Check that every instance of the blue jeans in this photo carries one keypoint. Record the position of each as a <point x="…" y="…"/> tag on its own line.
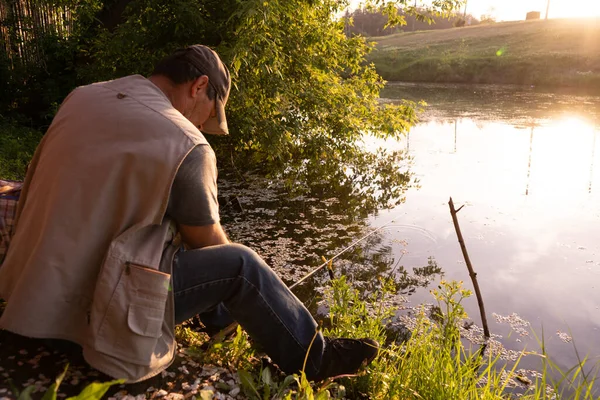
<point x="231" y="282"/>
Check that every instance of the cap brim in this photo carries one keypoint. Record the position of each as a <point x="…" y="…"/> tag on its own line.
<point x="216" y="125"/>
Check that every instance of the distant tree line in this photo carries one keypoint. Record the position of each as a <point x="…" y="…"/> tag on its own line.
<point x="371" y="22"/>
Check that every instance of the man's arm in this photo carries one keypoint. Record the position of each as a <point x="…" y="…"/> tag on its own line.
<point x="197" y="237"/>
<point x="193" y="203"/>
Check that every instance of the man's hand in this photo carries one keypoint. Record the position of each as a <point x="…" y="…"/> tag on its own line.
<point x="196" y="237"/>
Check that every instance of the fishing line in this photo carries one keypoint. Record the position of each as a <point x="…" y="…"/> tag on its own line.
<point x="340" y="253"/>
<point x="229" y="329"/>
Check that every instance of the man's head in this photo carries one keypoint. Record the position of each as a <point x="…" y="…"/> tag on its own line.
<point x="198" y="85"/>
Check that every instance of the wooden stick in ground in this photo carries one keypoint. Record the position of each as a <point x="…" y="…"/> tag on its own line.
<point x="472" y="273"/>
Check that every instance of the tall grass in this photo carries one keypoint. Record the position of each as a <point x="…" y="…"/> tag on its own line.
<point x="433" y="363"/>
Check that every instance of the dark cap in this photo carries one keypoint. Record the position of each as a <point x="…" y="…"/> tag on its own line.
<point x="208" y="63"/>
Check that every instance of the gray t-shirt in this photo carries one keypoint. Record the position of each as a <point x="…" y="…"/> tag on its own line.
<point x="193" y="198"/>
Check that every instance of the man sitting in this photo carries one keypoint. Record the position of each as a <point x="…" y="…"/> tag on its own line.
<point x="121" y="180"/>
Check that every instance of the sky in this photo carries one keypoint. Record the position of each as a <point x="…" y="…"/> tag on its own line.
<point x="511" y="10"/>
<point x="514" y="10"/>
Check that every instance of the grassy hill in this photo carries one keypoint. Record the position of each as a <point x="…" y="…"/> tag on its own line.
<point x="561" y="52"/>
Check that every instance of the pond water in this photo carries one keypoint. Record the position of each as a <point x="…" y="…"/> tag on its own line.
<point x="526" y="165"/>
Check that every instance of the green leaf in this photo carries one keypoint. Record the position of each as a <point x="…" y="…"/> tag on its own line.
<point x="286" y="383"/>
<point x="323" y="395"/>
<point x="248" y="383"/>
<point x="26" y="393"/>
<point x="53" y="389"/>
<point x="95" y="390"/>
<point x="267" y="377"/>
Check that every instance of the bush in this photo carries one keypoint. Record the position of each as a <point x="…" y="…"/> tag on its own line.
<point x="17" y="145"/>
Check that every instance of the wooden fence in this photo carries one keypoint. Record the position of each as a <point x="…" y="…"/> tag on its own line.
<point x="24" y="23"/>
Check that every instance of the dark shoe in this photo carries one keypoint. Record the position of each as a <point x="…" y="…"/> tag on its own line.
<point x="345" y="357"/>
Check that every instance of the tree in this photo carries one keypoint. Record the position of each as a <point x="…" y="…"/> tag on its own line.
<point x="303" y="96"/>
<point x="374" y="22"/>
<point x="489" y="16"/>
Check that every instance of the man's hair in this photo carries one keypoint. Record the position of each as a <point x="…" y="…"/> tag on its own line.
<point x="179" y="71"/>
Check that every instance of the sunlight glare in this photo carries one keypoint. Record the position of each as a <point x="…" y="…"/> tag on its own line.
<point x="561" y="157"/>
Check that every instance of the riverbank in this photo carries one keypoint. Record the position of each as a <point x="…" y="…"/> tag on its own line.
<point x="554" y="53"/>
<point x="432" y="362"/>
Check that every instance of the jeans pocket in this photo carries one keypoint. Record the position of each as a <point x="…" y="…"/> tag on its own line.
<point x="130" y="321"/>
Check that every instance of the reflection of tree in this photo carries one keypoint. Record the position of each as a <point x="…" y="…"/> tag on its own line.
<point x="364" y="183"/>
<point x="293" y="226"/>
<point x="374" y="260"/>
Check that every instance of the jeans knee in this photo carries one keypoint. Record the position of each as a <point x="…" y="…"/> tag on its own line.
<point x="248" y="256"/>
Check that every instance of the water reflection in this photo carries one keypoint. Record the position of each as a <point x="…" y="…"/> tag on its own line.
<point x="524" y="163"/>
<point x="294" y="231"/>
<point x="511" y="104"/>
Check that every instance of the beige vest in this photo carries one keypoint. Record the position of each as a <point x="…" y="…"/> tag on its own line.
<point x="92" y="253"/>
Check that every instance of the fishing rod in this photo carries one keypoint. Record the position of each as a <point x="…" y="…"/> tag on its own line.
<point x="320" y="267"/>
<point x="229" y="329"/>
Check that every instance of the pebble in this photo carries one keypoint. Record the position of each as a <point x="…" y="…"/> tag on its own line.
<point x="207" y="394"/>
<point x="174" y="396"/>
<point x="165" y="374"/>
<point x="209" y="370"/>
<point x="189" y="388"/>
<point x="131" y="397"/>
<point x="150" y="389"/>
<point x="234" y="392"/>
<point x="120" y="394"/>
<point x="183" y="369"/>
<point x="161" y="393"/>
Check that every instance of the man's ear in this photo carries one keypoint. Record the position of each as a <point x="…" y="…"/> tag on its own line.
<point x="198" y="84"/>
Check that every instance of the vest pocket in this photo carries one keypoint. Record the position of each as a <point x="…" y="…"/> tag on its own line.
<point x="145" y="321"/>
<point x="130" y="321"/>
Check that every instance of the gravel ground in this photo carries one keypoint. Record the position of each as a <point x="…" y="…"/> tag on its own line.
<point x="25" y="362"/>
